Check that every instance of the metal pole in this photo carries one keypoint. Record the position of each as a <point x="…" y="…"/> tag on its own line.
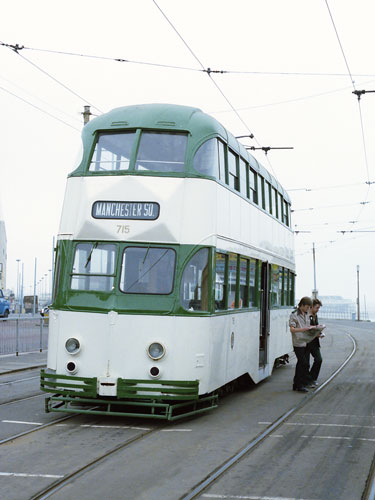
<point x="315" y="291"/>
<point x="358" y="311"/>
<point x="17" y="334"/>
<point x="41" y="334"/>
<point x="34" y="300"/>
<point x="22" y="287"/>
<point x="18" y="280"/>
<point x="53" y="265"/>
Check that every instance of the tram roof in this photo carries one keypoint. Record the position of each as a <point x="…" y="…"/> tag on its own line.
<point x="172" y="117"/>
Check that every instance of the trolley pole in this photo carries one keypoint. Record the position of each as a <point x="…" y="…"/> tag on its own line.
<point x="315" y="291"/>
<point x="358" y="311"/>
<point x="86" y="114"/>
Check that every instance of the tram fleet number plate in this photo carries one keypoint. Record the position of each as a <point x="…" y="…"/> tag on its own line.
<point x="126" y="210"/>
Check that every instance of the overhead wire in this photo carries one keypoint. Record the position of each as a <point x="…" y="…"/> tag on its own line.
<point x="39" y="109"/>
<point x="209" y="71"/>
<point x="17" y="48"/>
<point x="173" y="66"/>
<point x="41" y="100"/>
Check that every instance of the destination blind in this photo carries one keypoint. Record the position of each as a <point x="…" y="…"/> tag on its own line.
<point x="126" y="210"/>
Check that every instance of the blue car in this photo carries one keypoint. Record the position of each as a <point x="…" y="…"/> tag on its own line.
<point x="4" y="305"/>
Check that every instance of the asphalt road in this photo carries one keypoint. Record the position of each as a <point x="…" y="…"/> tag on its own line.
<point x="323" y="451"/>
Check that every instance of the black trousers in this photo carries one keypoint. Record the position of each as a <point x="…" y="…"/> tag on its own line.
<point x="301" y="376"/>
<point x="313" y="348"/>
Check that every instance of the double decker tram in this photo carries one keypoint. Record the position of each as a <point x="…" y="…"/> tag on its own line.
<point x="174" y="271"/>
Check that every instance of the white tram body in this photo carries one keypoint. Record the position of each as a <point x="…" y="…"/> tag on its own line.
<point x="213" y="347"/>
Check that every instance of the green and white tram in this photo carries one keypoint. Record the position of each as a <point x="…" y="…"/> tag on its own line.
<point x="174" y="267"/>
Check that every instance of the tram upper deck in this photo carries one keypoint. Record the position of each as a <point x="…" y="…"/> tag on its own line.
<point x="147" y="175"/>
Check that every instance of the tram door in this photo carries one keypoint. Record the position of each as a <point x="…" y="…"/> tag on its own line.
<point x="264" y="313"/>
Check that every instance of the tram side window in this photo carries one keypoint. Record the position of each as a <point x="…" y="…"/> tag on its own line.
<point x="243" y="178"/>
<point x="221" y="150"/>
<point x="194" y="283"/>
<point x="276" y="285"/>
<point x="267" y="188"/>
<point x="234" y="182"/>
<point x="220" y="286"/>
<point x="262" y="202"/>
<point x="275" y="196"/>
<point x="206" y="159"/>
<point x="280" y="207"/>
<point x="112" y="152"/>
<point x="93" y="267"/>
<point x="291" y="289"/>
<point x="286" y="213"/>
<point x="161" y="152"/>
<point x="269" y="199"/>
<point x="244" y="284"/>
<point x="285" y="288"/>
<point x="147" y="270"/>
<point x="232" y="280"/>
<point x="252" y="283"/>
<point x="253" y="185"/>
<point x="56" y="280"/>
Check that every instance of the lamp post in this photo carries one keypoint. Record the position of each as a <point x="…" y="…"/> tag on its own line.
<point x="18" y="283"/>
<point x="358" y="311"/>
<point x="315" y="291"/>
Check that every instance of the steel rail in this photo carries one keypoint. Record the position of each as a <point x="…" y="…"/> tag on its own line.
<point x="60" y="483"/>
<point x="12" y="401"/>
<point x="36" y="428"/>
<point x="211" y="478"/>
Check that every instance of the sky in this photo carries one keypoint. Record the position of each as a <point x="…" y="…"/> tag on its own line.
<point x="290" y="67"/>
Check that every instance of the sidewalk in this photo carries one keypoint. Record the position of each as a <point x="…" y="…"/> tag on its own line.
<point x="24" y="361"/>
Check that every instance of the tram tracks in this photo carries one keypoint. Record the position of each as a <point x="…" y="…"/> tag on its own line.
<point x="70" y="477"/>
<point x="254" y="443"/>
<point x="210" y="479"/>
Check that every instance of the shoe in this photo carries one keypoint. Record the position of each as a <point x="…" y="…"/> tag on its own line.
<point x="314" y="383"/>
<point x="300" y="389"/>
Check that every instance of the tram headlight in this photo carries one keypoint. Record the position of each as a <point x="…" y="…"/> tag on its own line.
<point x="156" y="350"/>
<point x="72" y="345"/>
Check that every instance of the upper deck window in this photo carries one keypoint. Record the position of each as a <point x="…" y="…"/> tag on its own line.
<point x="161" y="152"/>
<point x="112" y="152"/>
<point x="206" y="159"/>
<point x="148" y="270"/>
<point x="233" y="171"/>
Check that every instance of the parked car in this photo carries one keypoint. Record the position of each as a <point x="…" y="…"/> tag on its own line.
<point x="4" y="305"/>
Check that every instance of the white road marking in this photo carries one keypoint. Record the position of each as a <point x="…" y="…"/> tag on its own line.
<point x="20" y="422"/>
<point x="330" y="415"/>
<point x="242" y="497"/>
<point x="22" y="474"/>
<point x="176" y="430"/>
<point x="115" y="427"/>
<point x="333" y="425"/>
<point x="339" y="437"/>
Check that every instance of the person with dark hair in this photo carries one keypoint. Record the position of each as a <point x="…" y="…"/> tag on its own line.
<point x="313" y="347"/>
<point x="299" y="324"/>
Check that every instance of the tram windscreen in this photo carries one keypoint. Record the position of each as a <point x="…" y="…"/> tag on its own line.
<point x="93" y="267"/>
<point x="148" y="270"/>
<point x="112" y="152"/>
<point x="161" y="152"/>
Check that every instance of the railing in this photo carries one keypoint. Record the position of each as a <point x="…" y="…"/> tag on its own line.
<point x="23" y="335"/>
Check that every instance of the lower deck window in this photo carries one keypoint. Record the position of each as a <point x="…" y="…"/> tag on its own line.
<point x="147" y="270"/>
<point x="194" y="283"/>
